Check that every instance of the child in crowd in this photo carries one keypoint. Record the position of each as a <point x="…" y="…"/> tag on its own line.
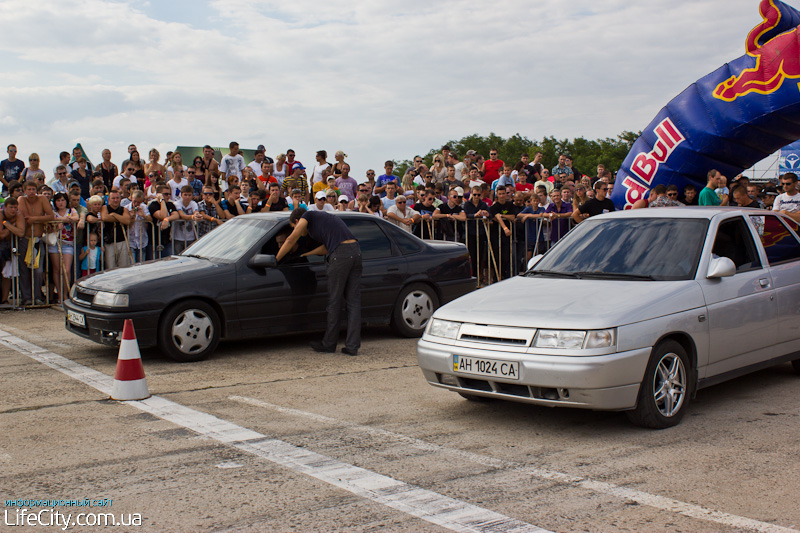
<point x="90" y="256"/>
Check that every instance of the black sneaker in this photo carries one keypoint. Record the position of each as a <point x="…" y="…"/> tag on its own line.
<point x="348" y="351"/>
<point x="319" y="347"/>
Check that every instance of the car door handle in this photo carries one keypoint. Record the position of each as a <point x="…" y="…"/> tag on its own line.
<point x="764" y="282"/>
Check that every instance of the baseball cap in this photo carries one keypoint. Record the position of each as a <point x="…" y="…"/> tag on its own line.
<point x="769" y="190"/>
<point x="298" y="165"/>
<point x="343" y="198"/>
<point x="261" y="148"/>
<point x="320" y="195"/>
<point x="472" y="152"/>
<point x="459" y="191"/>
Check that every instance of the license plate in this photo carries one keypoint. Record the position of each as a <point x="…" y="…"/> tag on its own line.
<point x="76" y="318"/>
<point x="485" y="367"/>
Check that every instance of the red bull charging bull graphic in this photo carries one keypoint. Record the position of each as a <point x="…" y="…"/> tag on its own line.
<point x="728" y="120"/>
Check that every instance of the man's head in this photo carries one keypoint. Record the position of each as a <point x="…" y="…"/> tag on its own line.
<point x="114" y="199"/>
<point x="297" y="196"/>
<point x="562" y="159"/>
<point x="234" y="147"/>
<point x="297" y="170"/>
<point x="177" y="174"/>
<point x="501" y="193"/>
<point x="400" y="202"/>
<point x="601" y="169"/>
<point x="740" y="196"/>
<point x="128" y="170"/>
<point x="789" y="182"/>
<point x="296" y="215"/>
<point x="131" y="148"/>
<point x="274" y="188"/>
<point x="388" y="166"/>
<point x="74" y="198"/>
<point x="266" y="168"/>
<point x="519" y="199"/>
<point x="137" y="198"/>
<point x="208" y="152"/>
<point x="689" y="192"/>
<point x="391" y="189"/>
<point x="493" y="154"/>
<point x="672" y="192"/>
<point x="427" y="200"/>
<point x="555" y="196"/>
<point x="290" y="155"/>
<point x="507" y="170"/>
<point x="600" y="189"/>
<point x="345" y="168"/>
<point x="259" y="156"/>
<point x="713" y="178"/>
<point x="186" y="194"/>
<point x="525" y="158"/>
<point x="451" y="173"/>
<point x="370" y="175"/>
<point x="29" y="188"/>
<point x="61" y="173"/>
<point x="97" y="188"/>
<point x="322" y="156"/>
<point x="10" y="207"/>
<point x="12" y="151"/>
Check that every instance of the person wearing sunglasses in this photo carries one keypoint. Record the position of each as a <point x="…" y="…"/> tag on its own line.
<point x="596" y="206"/>
<point x="321" y="202"/>
<point x="788" y="202"/>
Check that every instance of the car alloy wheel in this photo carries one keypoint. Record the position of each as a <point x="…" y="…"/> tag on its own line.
<point x="666" y="387"/>
<point x="669" y="385"/>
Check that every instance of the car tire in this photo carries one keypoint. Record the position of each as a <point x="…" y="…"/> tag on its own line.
<point x="796" y="365"/>
<point x="413" y="309"/>
<point x="189" y="331"/>
<point x="666" y="388"/>
<point x="475" y="397"/>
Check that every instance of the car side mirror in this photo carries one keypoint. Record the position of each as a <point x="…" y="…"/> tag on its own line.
<point x="535" y="259"/>
<point x="262" y="261"/>
<point x="720" y="267"/>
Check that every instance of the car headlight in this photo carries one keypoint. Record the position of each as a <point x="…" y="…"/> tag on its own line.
<point x="574" y="340"/>
<point x="444" y="328"/>
<point x="73" y="292"/>
<point x="110" y="299"/>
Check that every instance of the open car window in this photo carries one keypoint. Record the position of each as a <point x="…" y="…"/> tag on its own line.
<point x="734" y="241"/>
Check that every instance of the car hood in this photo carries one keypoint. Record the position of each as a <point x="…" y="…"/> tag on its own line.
<point x="153" y="272"/>
<point x="572" y="303"/>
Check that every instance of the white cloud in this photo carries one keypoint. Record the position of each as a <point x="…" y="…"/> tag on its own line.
<point x="379" y="79"/>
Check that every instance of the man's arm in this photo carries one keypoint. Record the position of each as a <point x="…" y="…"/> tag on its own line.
<point x="794" y="216"/>
<point x="319" y="250"/>
<point x="300" y="230"/>
<point x="17" y="227"/>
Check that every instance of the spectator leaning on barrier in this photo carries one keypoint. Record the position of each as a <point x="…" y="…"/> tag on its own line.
<point x="402" y="216"/>
<point x="231" y="205"/>
<point x="138" y="235"/>
<point x="559" y="213"/>
<point x="37" y="211"/>
<point x="164" y="212"/>
<point x="448" y="214"/>
<point x="116" y="220"/>
<point x="210" y="212"/>
<point x="183" y="231"/>
<point x="12" y="224"/>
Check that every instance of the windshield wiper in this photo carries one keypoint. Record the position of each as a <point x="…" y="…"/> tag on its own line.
<point x="553" y="273"/>
<point x="615" y="275"/>
<point x="195" y="255"/>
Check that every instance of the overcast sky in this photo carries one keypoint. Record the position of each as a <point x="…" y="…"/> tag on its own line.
<point x="377" y="79"/>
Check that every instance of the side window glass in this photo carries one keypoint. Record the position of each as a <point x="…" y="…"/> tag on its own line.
<point x="373" y="242"/>
<point x="735" y="242"/>
<point x="407" y="243"/>
<point x="779" y="243"/>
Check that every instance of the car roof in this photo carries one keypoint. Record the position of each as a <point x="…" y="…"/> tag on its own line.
<point x="283" y="215"/>
<point x="681" y="212"/>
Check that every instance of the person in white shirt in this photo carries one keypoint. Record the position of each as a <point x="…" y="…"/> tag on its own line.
<point x="233" y="163"/>
<point x="256" y="163"/>
<point x="184" y="232"/>
<point x="177" y="182"/>
<point x="402" y="216"/>
<point x="788" y="203"/>
<point x="461" y="168"/>
<point x="321" y="203"/>
<point x="127" y="173"/>
<point x="321" y="165"/>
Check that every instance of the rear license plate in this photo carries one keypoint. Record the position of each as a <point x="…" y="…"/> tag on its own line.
<point x="76" y="318"/>
<point x="485" y="367"/>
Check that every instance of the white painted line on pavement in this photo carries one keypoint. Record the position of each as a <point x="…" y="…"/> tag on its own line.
<point x="658" y="502"/>
<point x="427" y="505"/>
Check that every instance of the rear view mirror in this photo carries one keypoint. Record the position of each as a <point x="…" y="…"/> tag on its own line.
<point x="720" y="267"/>
<point x="263" y="261"/>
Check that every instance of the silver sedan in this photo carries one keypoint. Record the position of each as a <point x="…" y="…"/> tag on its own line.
<point x="632" y="311"/>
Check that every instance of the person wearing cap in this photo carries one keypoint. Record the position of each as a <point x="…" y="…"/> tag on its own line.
<point x="343" y="204"/>
<point x="343" y="260"/>
<point x="328" y="182"/>
<point x="297" y="180"/>
<point x="321" y="203"/>
<point x="336" y="170"/>
<point x="770" y="193"/>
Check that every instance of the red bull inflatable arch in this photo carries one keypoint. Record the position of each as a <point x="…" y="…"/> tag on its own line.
<point x="728" y="120"/>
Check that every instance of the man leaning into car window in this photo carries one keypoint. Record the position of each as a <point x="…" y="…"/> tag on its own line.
<point x="343" y="258"/>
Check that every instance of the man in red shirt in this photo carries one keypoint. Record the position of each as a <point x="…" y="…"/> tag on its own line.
<point x="491" y="167"/>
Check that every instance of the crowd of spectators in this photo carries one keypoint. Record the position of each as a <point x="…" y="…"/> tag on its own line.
<point x="84" y="218"/>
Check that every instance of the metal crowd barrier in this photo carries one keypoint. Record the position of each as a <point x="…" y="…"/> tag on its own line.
<point x="37" y="270"/>
<point x="494" y="255"/>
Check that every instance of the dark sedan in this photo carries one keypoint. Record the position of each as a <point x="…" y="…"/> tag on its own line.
<point x="227" y="285"/>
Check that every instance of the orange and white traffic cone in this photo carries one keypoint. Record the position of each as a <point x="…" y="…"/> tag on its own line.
<point x="129" y="380"/>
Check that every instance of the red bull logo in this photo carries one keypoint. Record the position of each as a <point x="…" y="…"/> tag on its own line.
<point x="645" y="165"/>
<point x="634" y="191"/>
<point x="777" y="59"/>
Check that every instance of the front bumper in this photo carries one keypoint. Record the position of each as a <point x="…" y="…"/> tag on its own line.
<point x="605" y="382"/>
<point x="105" y="327"/>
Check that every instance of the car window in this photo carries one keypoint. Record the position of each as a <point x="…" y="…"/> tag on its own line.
<point x="779" y="243"/>
<point x="407" y="243"/>
<point x="735" y="242"/>
<point x="373" y="242"/>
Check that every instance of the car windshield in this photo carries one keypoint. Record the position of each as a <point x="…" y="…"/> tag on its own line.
<point x="661" y="249"/>
<point x="231" y="240"/>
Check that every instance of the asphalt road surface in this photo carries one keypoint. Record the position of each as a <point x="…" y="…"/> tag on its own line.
<point x="270" y="436"/>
